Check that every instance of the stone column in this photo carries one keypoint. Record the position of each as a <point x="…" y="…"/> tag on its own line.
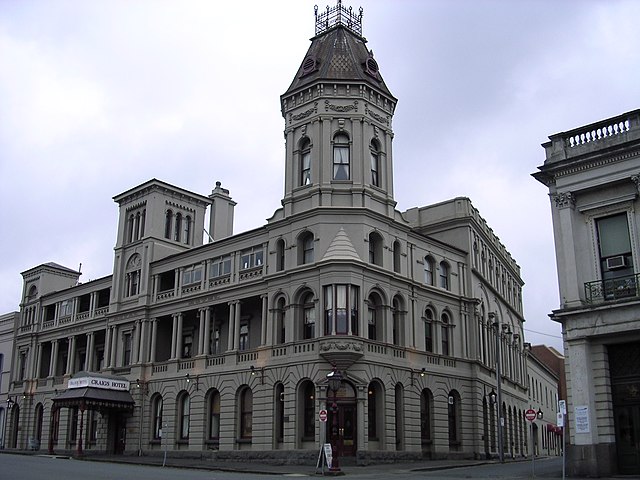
<point x="232" y="316"/>
<point x="135" y="348"/>
<point x="54" y="358"/>
<point x="236" y="325"/>
<point x="207" y="331"/>
<point x="154" y="339"/>
<point x="144" y="341"/>
<point x="107" y="347"/>
<point x="201" y="335"/>
<point x="70" y="354"/>
<point x="89" y="353"/>
<point x="179" y="336"/>
<point x="36" y="369"/>
<point x="174" y="334"/>
<point x="114" y="345"/>
<point x="265" y="313"/>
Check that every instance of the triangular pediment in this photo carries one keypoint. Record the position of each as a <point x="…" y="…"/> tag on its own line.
<point x="341" y="248"/>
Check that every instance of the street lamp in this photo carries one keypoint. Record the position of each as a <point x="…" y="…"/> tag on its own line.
<point x="498" y="399"/>
<point x="334" y="380"/>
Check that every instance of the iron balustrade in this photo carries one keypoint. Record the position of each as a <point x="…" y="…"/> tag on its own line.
<point x="612" y="289"/>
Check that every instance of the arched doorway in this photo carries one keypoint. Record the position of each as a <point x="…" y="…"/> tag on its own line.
<point x="342" y="420"/>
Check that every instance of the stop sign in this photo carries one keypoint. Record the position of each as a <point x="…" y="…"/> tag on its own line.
<point x="530" y="415"/>
<point x="322" y="415"/>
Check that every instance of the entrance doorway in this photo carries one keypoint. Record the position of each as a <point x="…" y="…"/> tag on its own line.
<point x="347" y="432"/>
<point x="117" y="436"/>
<point x="628" y="438"/>
<point x="624" y="368"/>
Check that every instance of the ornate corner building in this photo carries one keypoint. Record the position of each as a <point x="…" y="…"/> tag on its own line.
<point x="593" y="173"/>
<point x="227" y="346"/>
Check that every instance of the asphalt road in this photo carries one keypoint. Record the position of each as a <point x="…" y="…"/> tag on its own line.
<point x="42" y="467"/>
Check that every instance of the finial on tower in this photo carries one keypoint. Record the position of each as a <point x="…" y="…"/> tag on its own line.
<point x="338" y="15"/>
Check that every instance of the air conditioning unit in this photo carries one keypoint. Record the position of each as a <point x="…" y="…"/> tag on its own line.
<point x="616" y="262"/>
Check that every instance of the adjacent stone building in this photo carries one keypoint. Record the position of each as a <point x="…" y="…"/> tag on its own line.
<point x="226" y="346"/>
<point x="593" y="175"/>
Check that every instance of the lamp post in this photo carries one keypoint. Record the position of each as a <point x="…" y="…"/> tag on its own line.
<point x="496" y="325"/>
<point x="334" y="379"/>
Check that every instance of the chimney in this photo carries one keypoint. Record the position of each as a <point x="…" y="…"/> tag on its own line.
<point x="221" y="218"/>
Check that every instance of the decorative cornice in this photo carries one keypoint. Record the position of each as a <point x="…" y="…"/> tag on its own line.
<point x="177" y="205"/>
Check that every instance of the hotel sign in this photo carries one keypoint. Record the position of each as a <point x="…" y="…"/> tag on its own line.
<point x="97" y="382"/>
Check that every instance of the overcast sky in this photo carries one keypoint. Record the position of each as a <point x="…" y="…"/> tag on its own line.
<point x="99" y="96"/>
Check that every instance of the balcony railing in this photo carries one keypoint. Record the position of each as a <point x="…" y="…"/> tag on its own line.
<point x="612" y="289"/>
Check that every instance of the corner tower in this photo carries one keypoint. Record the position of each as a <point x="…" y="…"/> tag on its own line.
<point x="338" y="114"/>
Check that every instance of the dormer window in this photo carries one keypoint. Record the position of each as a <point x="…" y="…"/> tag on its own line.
<point x="341" y="161"/>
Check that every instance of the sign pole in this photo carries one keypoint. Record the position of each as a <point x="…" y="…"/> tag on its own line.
<point x="533" y="454"/>
<point x="531" y="415"/>
<point x="562" y="416"/>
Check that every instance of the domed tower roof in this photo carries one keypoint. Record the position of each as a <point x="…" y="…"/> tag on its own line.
<point x="338" y="53"/>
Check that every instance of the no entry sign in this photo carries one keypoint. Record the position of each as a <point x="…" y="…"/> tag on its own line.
<point x="322" y="415"/>
<point x="530" y="415"/>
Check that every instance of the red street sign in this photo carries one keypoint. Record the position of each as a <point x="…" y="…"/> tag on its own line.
<point x="530" y="415"/>
<point x="322" y="415"/>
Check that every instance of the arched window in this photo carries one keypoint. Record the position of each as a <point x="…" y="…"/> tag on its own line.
<point x="375" y="248"/>
<point x="375" y="410"/>
<point x="375" y="163"/>
<point x="187" y="230"/>
<point x="280" y="322"/>
<point x="428" y="269"/>
<point x="309" y="411"/>
<point x="136" y="227"/>
<point x="308" y="317"/>
<point x="444" y="275"/>
<point x="156" y="416"/>
<point x="178" y="230"/>
<point x="184" y="410"/>
<point x="39" y="419"/>
<point x="278" y="403"/>
<point x="428" y="329"/>
<point x="446" y="350"/>
<point x="305" y="162"/>
<point x="168" y="220"/>
<point x="453" y="415"/>
<point x="341" y="161"/>
<point x="132" y="276"/>
<point x="246" y="414"/>
<point x="33" y="292"/>
<point x="305" y="248"/>
<point x="130" y="228"/>
<point x="213" y="433"/>
<point x="373" y="317"/>
<point x="279" y="255"/>
<point x="399" y="397"/>
<point x="426" y="416"/>
<point x="397" y="254"/>
<point x="397" y="314"/>
<point x="143" y="220"/>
